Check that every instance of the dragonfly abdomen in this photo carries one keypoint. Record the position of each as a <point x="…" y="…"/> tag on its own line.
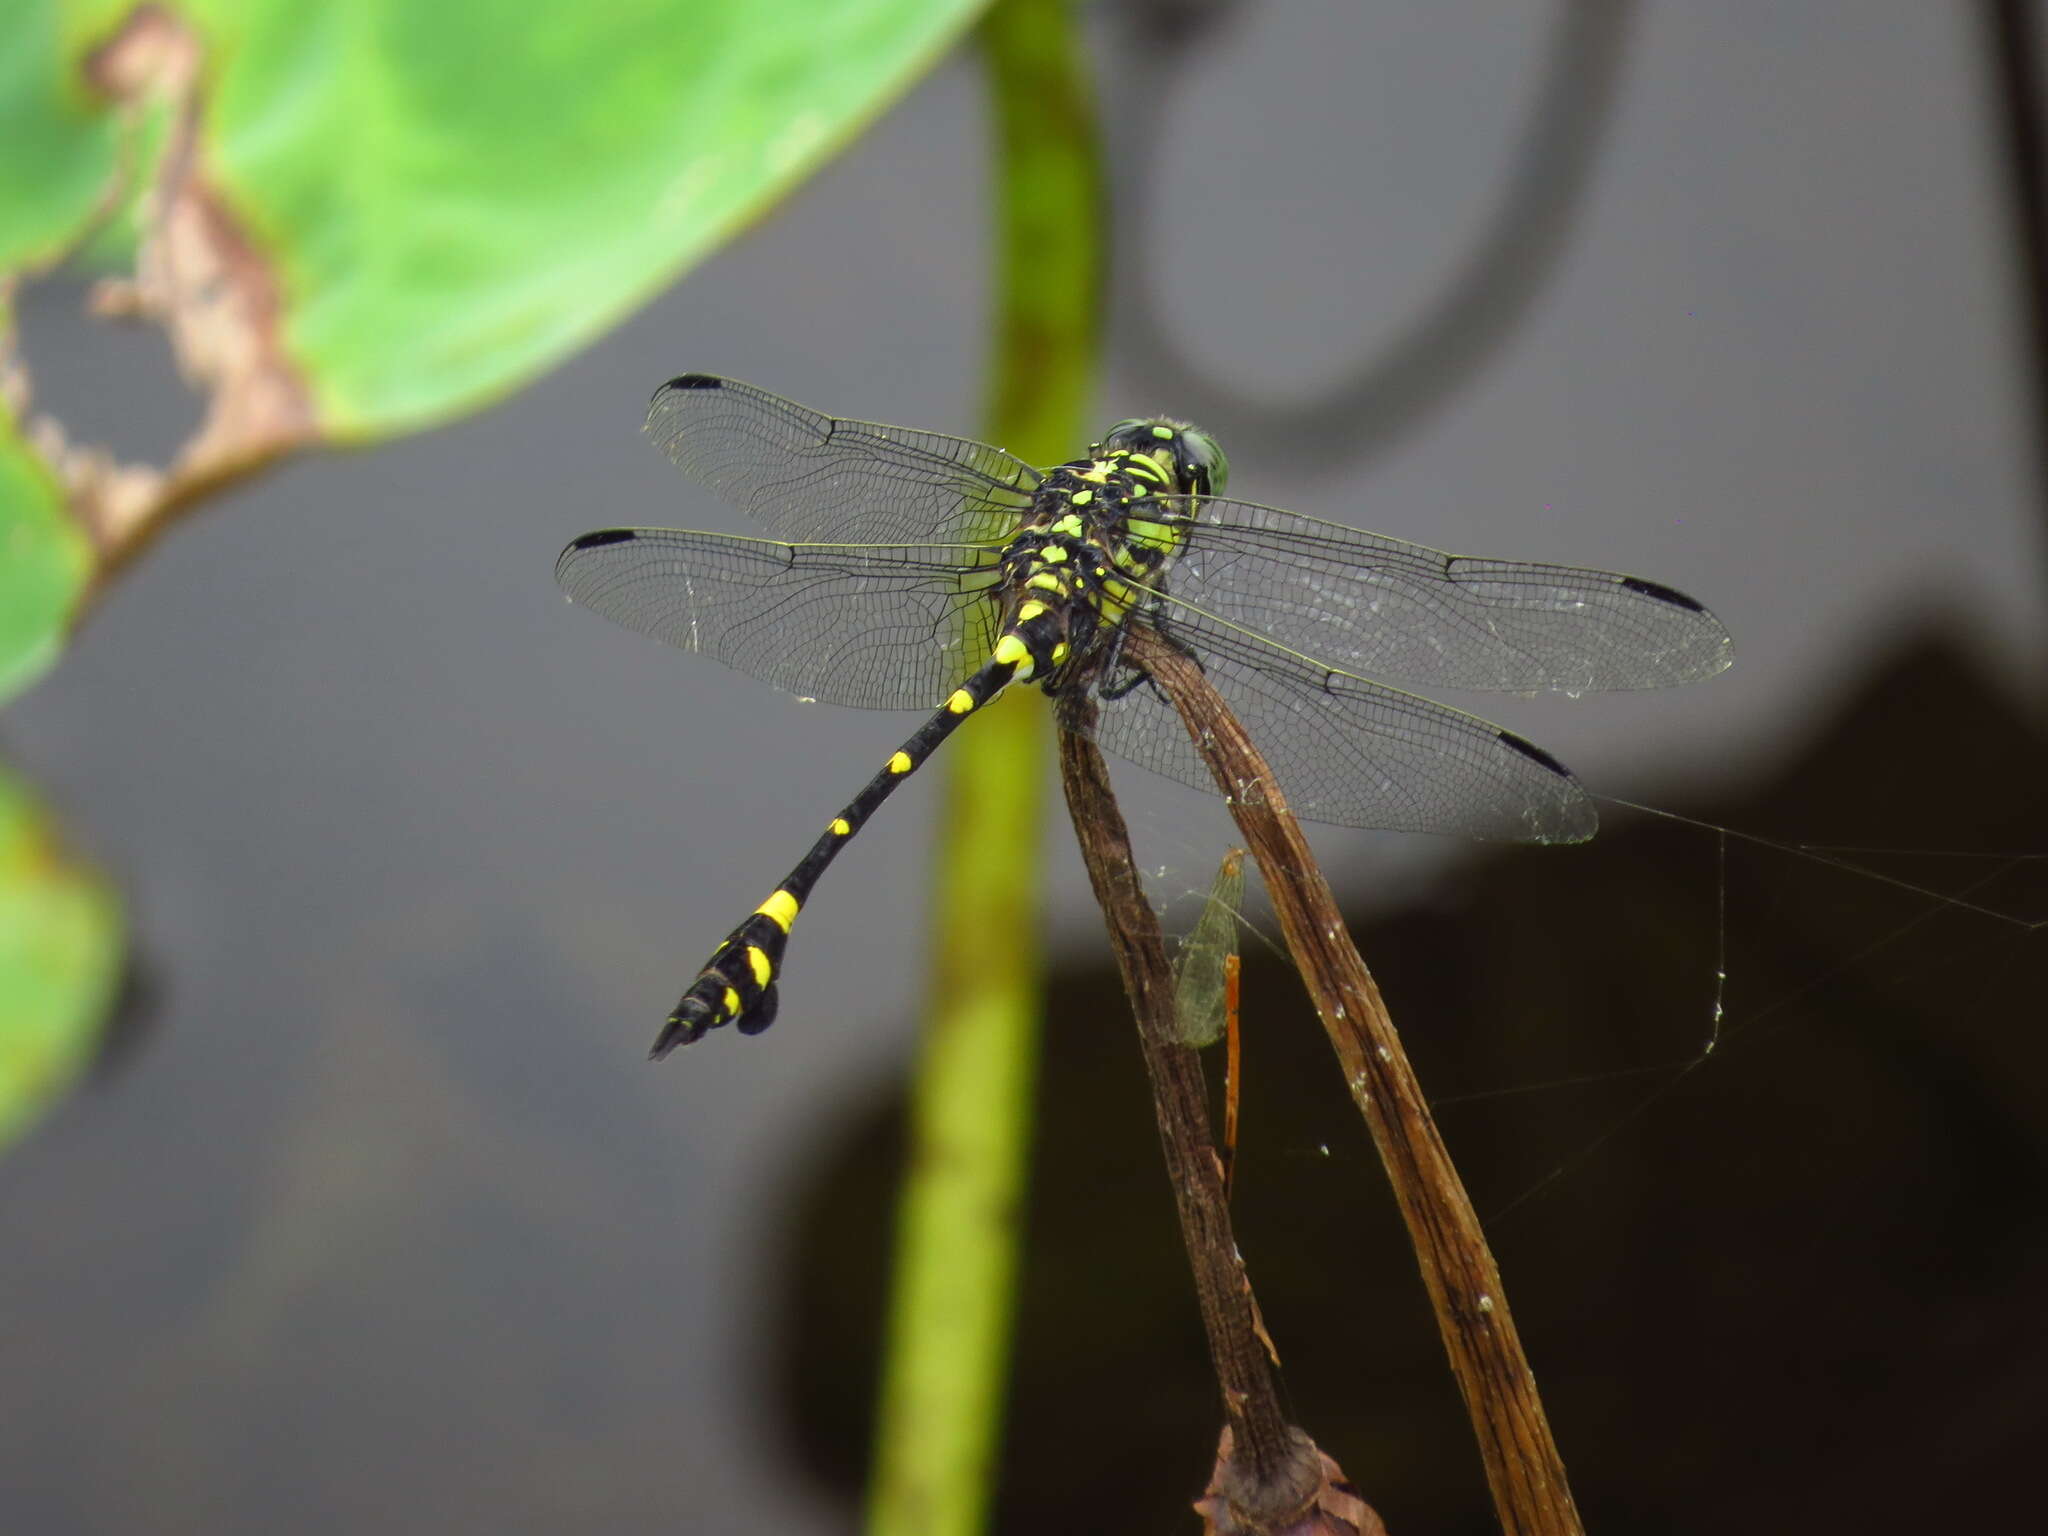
<point x="738" y="983"/>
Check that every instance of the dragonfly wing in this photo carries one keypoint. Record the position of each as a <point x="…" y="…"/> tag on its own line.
<point x="1201" y="974"/>
<point x="875" y="626"/>
<point x="804" y="475"/>
<point x="1379" y="605"/>
<point x="1350" y="751"/>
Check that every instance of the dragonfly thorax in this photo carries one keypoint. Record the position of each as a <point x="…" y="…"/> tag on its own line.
<point x="1094" y="548"/>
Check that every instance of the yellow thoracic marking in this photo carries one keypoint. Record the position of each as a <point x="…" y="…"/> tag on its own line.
<point x="1069" y="525"/>
<point x="899" y="762"/>
<point x="1045" y="581"/>
<point x="841" y="827"/>
<point x="1054" y="555"/>
<point x="1010" y="651"/>
<point x="1139" y="490"/>
<point x="762" y="966"/>
<point x="961" y="701"/>
<point x="1059" y="652"/>
<point x="1144" y="468"/>
<point x="1029" y="611"/>
<point x="1080" y="498"/>
<point x="780" y="909"/>
<point x="1097" y="472"/>
<point x="732" y="1003"/>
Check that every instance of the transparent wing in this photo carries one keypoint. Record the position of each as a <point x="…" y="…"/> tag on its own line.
<point x="1350" y="751"/>
<point x="804" y="475"/>
<point x="1201" y="977"/>
<point x="876" y="626"/>
<point x="1383" y="606"/>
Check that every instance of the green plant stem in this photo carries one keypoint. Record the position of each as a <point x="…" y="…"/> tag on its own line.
<point x="959" y="1225"/>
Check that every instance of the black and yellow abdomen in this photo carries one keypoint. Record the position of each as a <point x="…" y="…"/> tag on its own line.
<point x="1046" y="605"/>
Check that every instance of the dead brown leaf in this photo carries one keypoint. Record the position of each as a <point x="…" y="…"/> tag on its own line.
<point x="200" y="277"/>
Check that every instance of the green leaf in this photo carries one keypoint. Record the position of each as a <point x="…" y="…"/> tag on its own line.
<point x="59" y="142"/>
<point x="457" y="194"/>
<point x="44" y="564"/>
<point x="60" y="959"/>
<point x="367" y="216"/>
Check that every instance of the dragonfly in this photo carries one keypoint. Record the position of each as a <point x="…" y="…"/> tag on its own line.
<point x="907" y="569"/>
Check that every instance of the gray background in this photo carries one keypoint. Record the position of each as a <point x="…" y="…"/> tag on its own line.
<point x="386" y="1220"/>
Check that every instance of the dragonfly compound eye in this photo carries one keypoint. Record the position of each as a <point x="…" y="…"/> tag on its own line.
<point x="1202" y="456"/>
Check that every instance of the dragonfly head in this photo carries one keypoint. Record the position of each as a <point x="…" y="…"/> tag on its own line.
<point x="1188" y="456"/>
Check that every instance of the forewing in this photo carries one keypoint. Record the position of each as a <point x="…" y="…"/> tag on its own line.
<point x="876" y="626"/>
<point x="807" y="476"/>
<point x="1372" y="604"/>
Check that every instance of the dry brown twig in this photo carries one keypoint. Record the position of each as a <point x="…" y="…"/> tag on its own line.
<point x="1269" y="1477"/>
<point x="1523" y="1467"/>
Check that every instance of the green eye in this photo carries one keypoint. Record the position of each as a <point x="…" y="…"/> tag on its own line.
<point x="1206" y="454"/>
